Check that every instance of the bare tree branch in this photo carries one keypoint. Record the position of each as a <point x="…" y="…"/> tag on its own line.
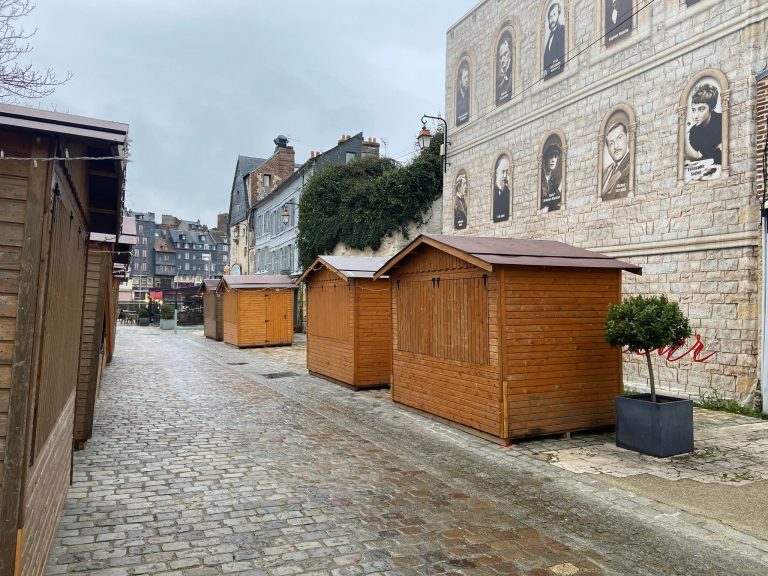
<point x="19" y="80"/>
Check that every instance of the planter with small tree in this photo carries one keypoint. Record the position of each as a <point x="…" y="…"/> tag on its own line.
<point x="650" y="423"/>
<point x="167" y="320"/>
<point x="143" y="315"/>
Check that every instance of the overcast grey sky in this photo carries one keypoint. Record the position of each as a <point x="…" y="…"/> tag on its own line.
<point x="201" y="81"/>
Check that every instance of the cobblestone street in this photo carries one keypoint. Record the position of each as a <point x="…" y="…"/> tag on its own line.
<point x="210" y="460"/>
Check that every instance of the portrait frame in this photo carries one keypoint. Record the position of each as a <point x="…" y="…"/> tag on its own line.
<point x="542" y="35"/>
<point x="511" y="27"/>
<point x="619" y="112"/>
<point x="632" y="30"/>
<point x="467" y="60"/>
<point x="724" y="98"/>
<point x="461" y="173"/>
<point x="507" y="155"/>
<point x="550" y="138"/>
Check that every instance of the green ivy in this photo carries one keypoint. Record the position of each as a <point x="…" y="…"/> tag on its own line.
<point x="363" y="202"/>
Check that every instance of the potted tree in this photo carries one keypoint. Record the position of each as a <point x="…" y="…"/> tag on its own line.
<point x="167" y="320"/>
<point x="650" y="423"/>
<point x="143" y="314"/>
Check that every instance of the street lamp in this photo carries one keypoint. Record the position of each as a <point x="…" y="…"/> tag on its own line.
<point x="285" y="214"/>
<point x="425" y="137"/>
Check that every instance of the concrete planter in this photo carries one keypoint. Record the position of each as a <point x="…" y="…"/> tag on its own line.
<point x="663" y="428"/>
<point x="167" y="324"/>
<point x="144" y="321"/>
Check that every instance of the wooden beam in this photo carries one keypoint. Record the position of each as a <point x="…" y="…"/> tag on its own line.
<point x="103" y="174"/>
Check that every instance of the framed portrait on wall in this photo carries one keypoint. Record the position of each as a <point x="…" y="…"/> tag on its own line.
<point x="504" y="68"/>
<point x="460" y="191"/>
<point x="704" y="130"/>
<point x="552" y="184"/>
<point x="554" y="38"/>
<point x="617" y="155"/>
<point x="463" y="93"/>
<point x="618" y="20"/>
<point x="501" y="201"/>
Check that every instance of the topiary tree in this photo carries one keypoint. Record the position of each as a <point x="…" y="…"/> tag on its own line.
<point x="143" y="312"/>
<point x="166" y="312"/>
<point x="644" y="323"/>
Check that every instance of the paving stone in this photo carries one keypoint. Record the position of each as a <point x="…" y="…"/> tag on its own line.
<point x="198" y="467"/>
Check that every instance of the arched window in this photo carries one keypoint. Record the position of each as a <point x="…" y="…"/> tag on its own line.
<point x="505" y="63"/>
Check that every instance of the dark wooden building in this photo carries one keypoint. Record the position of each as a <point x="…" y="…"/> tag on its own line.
<point x="258" y="310"/>
<point x="505" y="337"/>
<point x="349" y="321"/>
<point x="213" y="310"/>
<point x="48" y="209"/>
<point x="107" y="254"/>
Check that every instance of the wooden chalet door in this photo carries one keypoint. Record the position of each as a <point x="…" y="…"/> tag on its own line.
<point x="278" y="318"/>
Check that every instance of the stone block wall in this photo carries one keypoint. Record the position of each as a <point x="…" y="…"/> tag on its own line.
<point x="697" y="241"/>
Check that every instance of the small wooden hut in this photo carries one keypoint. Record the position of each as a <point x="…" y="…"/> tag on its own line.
<point x="258" y="310"/>
<point x="105" y="251"/>
<point x="51" y="199"/>
<point x="349" y="321"/>
<point x="505" y="337"/>
<point x="213" y="310"/>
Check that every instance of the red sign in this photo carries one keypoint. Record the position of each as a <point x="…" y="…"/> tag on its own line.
<point x="694" y="350"/>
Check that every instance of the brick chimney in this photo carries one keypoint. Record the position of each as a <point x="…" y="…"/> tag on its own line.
<point x="370" y="148"/>
<point x="222" y="221"/>
<point x="286" y="158"/>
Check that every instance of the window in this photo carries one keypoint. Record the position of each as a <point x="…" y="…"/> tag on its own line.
<point x="143" y="253"/>
<point x="141" y="228"/>
<point x="144" y="240"/>
<point x="351" y="157"/>
<point x="267" y="179"/>
<point x="186" y="266"/>
<point x="186" y="255"/>
<point x="143" y="266"/>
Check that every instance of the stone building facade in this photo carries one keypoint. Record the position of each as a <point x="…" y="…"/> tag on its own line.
<point x="627" y="128"/>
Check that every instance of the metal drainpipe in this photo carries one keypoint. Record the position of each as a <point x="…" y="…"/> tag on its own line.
<point x="764" y="316"/>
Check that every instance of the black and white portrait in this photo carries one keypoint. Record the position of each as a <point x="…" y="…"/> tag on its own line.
<point x="704" y="131"/>
<point x="462" y="93"/>
<point x="504" y="69"/>
<point x="618" y="20"/>
<point x="460" y="201"/>
<point x="617" y="154"/>
<point x="501" y="193"/>
<point x="554" y="39"/>
<point x="552" y="184"/>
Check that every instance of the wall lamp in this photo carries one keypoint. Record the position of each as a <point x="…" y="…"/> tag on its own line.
<point x="285" y="214"/>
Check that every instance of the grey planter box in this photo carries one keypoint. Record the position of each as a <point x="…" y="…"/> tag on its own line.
<point x="144" y="321"/>
<point x="167" y="324"/>
<point x="663" y="428"/>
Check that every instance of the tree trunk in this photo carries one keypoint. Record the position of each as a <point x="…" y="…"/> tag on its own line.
<point x="650" y="373"/>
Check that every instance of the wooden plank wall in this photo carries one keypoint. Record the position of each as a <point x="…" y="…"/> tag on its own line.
<point x="219" y="317"/>
<point x="330" y="326"/>
<point x="445" y="343"/>
<point x="14" y="181"/>
<point x="251" y="313"/>
<point x="114" y="292"/>
<point x="373" y="331"/>
<point x="561" y="374"/>
<point x="98" y="275"/>
<point x="60" y="352"/>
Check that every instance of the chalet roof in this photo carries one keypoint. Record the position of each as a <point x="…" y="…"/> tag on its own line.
<point x="487" y="252"/>
<point x="254" y="281"/>
<point x="209" y="285"/>
<point x="56" y="123"/>
<point x="346" y="266"/>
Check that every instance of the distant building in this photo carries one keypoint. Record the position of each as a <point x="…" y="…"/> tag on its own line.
<point x="254" y="179"/>
<point x="274" y="247"/>
<point x="142" y="271"/>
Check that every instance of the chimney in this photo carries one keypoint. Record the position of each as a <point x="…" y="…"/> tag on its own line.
<point x="286" y="158"/>
<point x="222" y="221"/>
<point x="370" y="148"/>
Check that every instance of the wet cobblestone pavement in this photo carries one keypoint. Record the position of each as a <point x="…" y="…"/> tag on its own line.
<point x="202" y="464"/>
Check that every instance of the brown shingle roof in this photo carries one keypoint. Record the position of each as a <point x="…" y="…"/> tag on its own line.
<point x="487" y="252"/>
